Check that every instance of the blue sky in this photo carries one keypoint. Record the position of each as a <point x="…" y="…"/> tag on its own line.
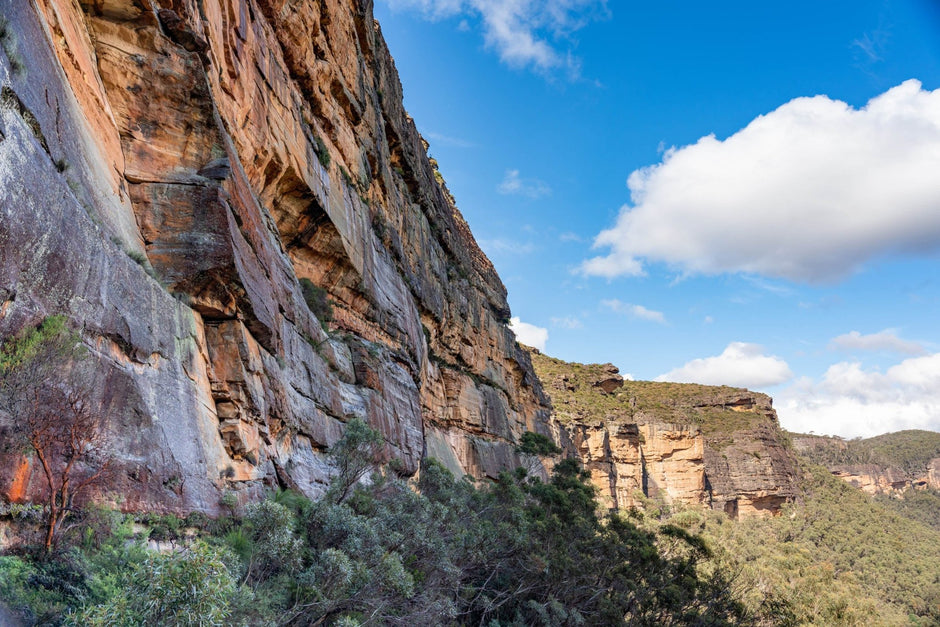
<point x="734" y="192"/>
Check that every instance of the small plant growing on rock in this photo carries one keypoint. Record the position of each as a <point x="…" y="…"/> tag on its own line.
<point x="316" y="299"/>
<point x="229" y="500"/>
<point x="323" y="155"/>
<point x="8" y="43"/>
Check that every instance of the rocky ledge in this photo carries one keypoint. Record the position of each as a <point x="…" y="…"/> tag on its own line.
<point x="886" y="464"/>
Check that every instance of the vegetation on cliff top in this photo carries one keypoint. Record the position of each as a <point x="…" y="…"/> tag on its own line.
<point x="576" y="398"/>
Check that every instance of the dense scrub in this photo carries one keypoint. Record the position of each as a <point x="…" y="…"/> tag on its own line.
<point x="438" y="550"/>
<point x="920" y="504"/>
<point x="835" y="558"/>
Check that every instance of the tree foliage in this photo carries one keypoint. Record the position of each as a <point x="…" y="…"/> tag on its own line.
<point x="189" y="588"/>
<point x="50" y="404"/>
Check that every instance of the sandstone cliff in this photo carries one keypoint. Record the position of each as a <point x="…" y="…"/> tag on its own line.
<point x="886" y="464"/>
<point x="718" y="447"/>
<point x="169" y="170"/>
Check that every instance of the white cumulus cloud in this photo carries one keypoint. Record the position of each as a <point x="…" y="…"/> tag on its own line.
<point x="529" y="334"/>
<point x="740" y="365"/>
<point x="886" y="340"/>
<point x="525" y="33"/>
<point x="852" y="401"/>
<point x="808" y="192"/>
<point x="530" y="188"/>
<point x="635" y="311"/>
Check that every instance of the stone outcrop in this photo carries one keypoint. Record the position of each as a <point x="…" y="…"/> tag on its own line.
<point x="628" y="461"/>
<point x="169" y="171"/>
<point x="716" y="447"/>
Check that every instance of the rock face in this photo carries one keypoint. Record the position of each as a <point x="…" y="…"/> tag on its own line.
<point x="716" y="447"/>
<point x="886" y="464"/>
<point x="168" y="172"/>
<point x="629" y="460"/>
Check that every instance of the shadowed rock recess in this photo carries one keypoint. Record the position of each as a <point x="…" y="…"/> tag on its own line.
<point x="169" y="171"/>
<point x="718" y="447"/>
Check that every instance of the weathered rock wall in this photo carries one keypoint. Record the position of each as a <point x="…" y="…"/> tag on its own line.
<point x="169" y="170"/>
<point x="628" y="461"/>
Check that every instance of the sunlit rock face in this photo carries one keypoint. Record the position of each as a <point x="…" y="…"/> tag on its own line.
<point x="167" y="175"/>
<point x="694" y="445"/>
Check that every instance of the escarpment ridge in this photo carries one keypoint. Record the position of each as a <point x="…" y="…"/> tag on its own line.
<point x="886" y="464"/>
<point x="716" y="447"/>
<point x="231" y="204"/>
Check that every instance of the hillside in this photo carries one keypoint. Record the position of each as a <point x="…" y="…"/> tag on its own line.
<point x="901" y="470"/>
<point x="720" y="447"/>
<point x="915" y="453"/>
<point x="834" y="556"/>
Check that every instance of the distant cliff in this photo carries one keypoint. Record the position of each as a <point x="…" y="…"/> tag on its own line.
<point x="230" y="203"/>
<point x="718" y="447"/>
<point x="886" y="464"/>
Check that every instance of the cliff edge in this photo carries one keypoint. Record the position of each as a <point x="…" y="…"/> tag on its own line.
<point x="717" y="447"/>
<point x="886" y="464"/>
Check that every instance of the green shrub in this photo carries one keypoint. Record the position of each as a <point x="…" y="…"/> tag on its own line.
<point x="189" y="588"/>
<point x="323" y="155"/>
<point x="532" y="443"/>
<point x="317" y="301"/>
<point x="275" y="547"/>
<point x="14" y="352"/>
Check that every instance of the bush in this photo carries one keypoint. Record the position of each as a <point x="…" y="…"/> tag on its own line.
<point x="192" y="587"/>
<point x="441" y="550"/>
<point x="532" y="443"/>
<point x="317" y="301"/>
<point x="323" y="155"/>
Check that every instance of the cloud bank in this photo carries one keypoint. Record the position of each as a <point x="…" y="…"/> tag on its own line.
<point x="529" y="334"/>
<point x="525" y="33"/>
<point x="851" y="401"/>
<point x="808" y="192"/>
<point x="739" y="365"/>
